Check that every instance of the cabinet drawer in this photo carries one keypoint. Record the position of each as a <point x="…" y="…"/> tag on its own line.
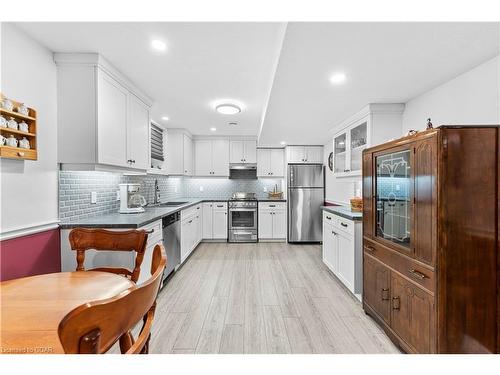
<point x="409" y="268"/>
<point x="329" y="218"/>
<point x="272" y="205"/>
<point x="220" y="206"/>
<point x="191" y="211"/>
<point x="156" y="235"/>
<point x="344" y="225"/>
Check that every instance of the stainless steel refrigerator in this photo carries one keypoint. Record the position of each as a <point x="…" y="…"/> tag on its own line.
<point x="306" y="195"/>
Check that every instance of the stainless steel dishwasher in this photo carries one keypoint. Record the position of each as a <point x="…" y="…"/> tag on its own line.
<point x="172" y="243"/>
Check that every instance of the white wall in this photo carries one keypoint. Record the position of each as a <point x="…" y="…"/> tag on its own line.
<point x="473" y="98"/>
<point x="29" y="190"/>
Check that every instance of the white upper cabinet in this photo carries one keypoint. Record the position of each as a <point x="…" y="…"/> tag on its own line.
<point x="103" y="119"/>
<point x="112" y="122"/>
<point x="211" y="157"/>
<point x="138" y="133"/>
<point x="243" y="151"/>
<point x="179" y="152"/>
<point x="305" y="154"/>
<point x="270" y="162"/>
<point x="202" y="157"/>
<point x="373" y="125"/>
<point x="187" y="143"/>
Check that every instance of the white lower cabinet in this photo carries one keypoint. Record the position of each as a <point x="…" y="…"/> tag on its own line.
<point x="272" y="221"/>
<point x="191" y="230"/>
<point x="342" y="250"/>
<point x="215" y="220"/>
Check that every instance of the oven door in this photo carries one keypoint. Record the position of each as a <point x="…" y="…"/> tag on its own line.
<point x="243" y="218"/>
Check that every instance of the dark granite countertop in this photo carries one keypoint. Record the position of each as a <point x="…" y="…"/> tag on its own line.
<point x="343" y="211"/>
<point x="117" y="220"/>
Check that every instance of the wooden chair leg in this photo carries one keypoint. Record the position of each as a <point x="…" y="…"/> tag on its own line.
<point x="145" y="350"/>
<point x="126" y="342"/>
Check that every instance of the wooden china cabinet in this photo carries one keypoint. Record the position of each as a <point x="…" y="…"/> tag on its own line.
<point x="431" y="258"/>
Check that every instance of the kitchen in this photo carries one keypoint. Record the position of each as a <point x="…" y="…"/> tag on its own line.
<point x="286" y="183"/>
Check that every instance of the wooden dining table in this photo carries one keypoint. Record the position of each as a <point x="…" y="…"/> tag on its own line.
<point x="31" y="308"/>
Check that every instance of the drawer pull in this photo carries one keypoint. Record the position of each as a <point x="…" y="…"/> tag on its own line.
<point x="272" y="205"/>
<point x="150" y="231"/>
<point x="190" y="221"/>
<point x="385" y="294"/>
<point x="334" y="233"/>
<point x="220" y="205"/>
<point x="370" y="249"/>
<point x="417" y="275"/>
<point x="396" y="303"/>
<point x="197" y="208"/>
<point x="329" y="218"/>
<point x="344" y="225"/>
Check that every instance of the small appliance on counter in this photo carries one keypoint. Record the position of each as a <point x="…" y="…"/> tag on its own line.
<point x="131" y="202"/>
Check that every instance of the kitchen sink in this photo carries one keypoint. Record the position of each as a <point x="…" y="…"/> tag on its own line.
<point x="169" y="204"/>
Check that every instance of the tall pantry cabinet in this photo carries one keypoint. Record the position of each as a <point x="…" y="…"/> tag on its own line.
<point x="431" y="261"/>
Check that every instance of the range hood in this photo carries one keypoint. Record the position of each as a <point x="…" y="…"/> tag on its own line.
<point x="243" y="171"/>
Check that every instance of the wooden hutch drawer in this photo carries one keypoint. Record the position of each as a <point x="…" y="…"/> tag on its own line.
<point x="407" y="267"/>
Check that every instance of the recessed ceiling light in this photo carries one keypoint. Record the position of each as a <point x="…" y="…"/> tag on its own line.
<point x="165" y="118"/>
<point x="228" y="109"/>
<point x="338" y="78"/>
<point x="213" y="129"/>
<point x="159" y="45"/>
<point x="282" y="143"/>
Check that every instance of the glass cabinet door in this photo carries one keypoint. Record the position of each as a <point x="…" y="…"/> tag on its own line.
<point x="393" y="184"/>
<point x="339" y="154"/>
<point x="358" y="144"/>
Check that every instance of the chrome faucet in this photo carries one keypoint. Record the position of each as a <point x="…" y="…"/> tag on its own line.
<point x="157" y="192"/>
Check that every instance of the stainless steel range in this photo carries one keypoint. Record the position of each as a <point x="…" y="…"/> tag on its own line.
<point x="243" y="218"/>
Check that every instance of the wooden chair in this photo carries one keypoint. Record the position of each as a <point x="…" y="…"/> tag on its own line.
<point x="93" y="328"/>
<point x="82" y="239"/>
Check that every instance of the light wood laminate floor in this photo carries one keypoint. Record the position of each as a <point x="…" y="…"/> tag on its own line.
<point x="261" y="298"/>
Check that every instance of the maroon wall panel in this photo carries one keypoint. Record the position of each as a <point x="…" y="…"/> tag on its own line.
<point x="30" y="255"/>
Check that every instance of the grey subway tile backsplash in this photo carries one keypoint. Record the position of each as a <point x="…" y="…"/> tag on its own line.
<point x="75" y="188"/>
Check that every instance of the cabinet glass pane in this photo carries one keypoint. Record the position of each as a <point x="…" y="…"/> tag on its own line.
<point x="339" y="147"/>
<point x="393" y="192"/>
<point x="358" y="143"/>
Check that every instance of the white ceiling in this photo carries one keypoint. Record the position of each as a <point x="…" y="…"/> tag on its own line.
<point x="384" y="62"/>
<point x="204" y="62"/>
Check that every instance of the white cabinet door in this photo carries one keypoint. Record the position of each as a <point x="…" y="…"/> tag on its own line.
<point x="328" y="246"/>
<point x="279" y="224"/>
<point x="250" y="152"/>
<point x="197" y="229"/>
<point x="220" y="157"/>
<point x="263" y="162"/>
<point x="138" y="133"/>
<point x="237" y="149"/>
<point x="265" y="224"/>
<point x="188" y="155"/>
<point x="296" y="154"/>
<point x="314" y="154"/>
<point x="112" y="122"/>
<point x="346" y="259"/>
<point x="185" y="239"/>
<point x="207" y="220"/>
<point x="219" y="223"/>
<point x="277" y="167"/>
<point x="203" y="157"/>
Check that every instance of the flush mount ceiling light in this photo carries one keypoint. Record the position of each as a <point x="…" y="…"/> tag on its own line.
<point x="158" y="45"/>
<point x="228" y="108"/>
<point x="165" y="118"/>
<point x="213" y="129"/>
<point x="282" y="143"/>
<point x="338" y="78"/>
